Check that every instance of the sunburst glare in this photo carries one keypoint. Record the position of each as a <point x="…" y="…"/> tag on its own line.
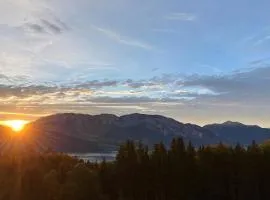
<point x="15" y="125"/>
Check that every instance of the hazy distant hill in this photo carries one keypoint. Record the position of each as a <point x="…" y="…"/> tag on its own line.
<point x="87" y="133"/>
<point x="7" y="141"/>
<point x="232" y="132"/>
<point x="3" y="131"/>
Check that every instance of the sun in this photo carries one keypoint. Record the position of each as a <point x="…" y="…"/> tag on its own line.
<point x="15" y="125"/>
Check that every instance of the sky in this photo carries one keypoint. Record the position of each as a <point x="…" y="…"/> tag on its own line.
<point x="198" y="61"/>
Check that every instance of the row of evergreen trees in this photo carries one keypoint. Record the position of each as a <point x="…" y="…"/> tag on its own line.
<point x="186" y="173"/>
<point x="178" y="173"/>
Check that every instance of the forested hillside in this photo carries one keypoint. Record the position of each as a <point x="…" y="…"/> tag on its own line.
<point x="180" y="172"/>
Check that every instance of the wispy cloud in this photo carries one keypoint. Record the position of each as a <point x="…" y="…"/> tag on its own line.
<point x="258" y="39"/>
<point x="181" y="16"/>
<point x="212" y="68"/>
<point x="241" y="91"/>
<point x="234" y="87"/>
<point x="46" y="26"/>
<point x="123" y="39"/>
<point x="160" y="30"/>
<point x="21" y="114"/>
<point x="262" y="40"/>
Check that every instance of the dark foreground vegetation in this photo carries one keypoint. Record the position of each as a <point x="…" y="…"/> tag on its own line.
<point x="181" y="172"/>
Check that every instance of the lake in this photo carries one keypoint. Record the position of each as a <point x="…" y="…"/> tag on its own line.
<point x="95" y="157"/>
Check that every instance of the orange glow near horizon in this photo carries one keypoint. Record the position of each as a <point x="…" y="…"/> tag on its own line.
<point x="15" y="125"/>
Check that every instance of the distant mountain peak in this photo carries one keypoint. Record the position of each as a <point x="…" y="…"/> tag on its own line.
<point x="140" y="115"/>
<point x="238" y="124"/>
<point x="232" y="123"/>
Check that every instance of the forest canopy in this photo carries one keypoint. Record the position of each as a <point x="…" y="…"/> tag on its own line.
<point x="179" y="172"/>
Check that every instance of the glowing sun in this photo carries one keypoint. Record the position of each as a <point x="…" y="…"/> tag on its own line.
<point x="15" y="125"/>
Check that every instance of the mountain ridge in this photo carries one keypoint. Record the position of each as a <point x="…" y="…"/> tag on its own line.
<point x="111" y="130"/>
<point x="70" y="132"/>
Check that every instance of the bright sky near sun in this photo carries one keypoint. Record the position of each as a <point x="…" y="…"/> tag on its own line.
<point x="15" y="125"/>
<point x="196" y="61"/>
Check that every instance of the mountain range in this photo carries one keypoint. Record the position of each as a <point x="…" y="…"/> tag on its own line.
<point x="70" y="132"/>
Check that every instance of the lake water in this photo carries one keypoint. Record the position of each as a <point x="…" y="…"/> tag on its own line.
<point x="95" y="157"/>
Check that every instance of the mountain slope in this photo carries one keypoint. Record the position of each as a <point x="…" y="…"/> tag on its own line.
<point x="233" y="132"/>
<point x="102" y="133"/>
<point x="84" y="133"/>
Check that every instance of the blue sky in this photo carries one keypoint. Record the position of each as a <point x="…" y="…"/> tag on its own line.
<point x="197" y="61"/>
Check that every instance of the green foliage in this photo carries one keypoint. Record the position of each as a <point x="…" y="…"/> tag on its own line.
<point x="181" y="172"/>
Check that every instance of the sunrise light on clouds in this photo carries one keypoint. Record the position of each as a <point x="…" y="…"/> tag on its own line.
<point x="176" y="59"/>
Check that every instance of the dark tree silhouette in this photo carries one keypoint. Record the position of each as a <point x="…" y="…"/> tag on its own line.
<point x="216" y="172"/>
